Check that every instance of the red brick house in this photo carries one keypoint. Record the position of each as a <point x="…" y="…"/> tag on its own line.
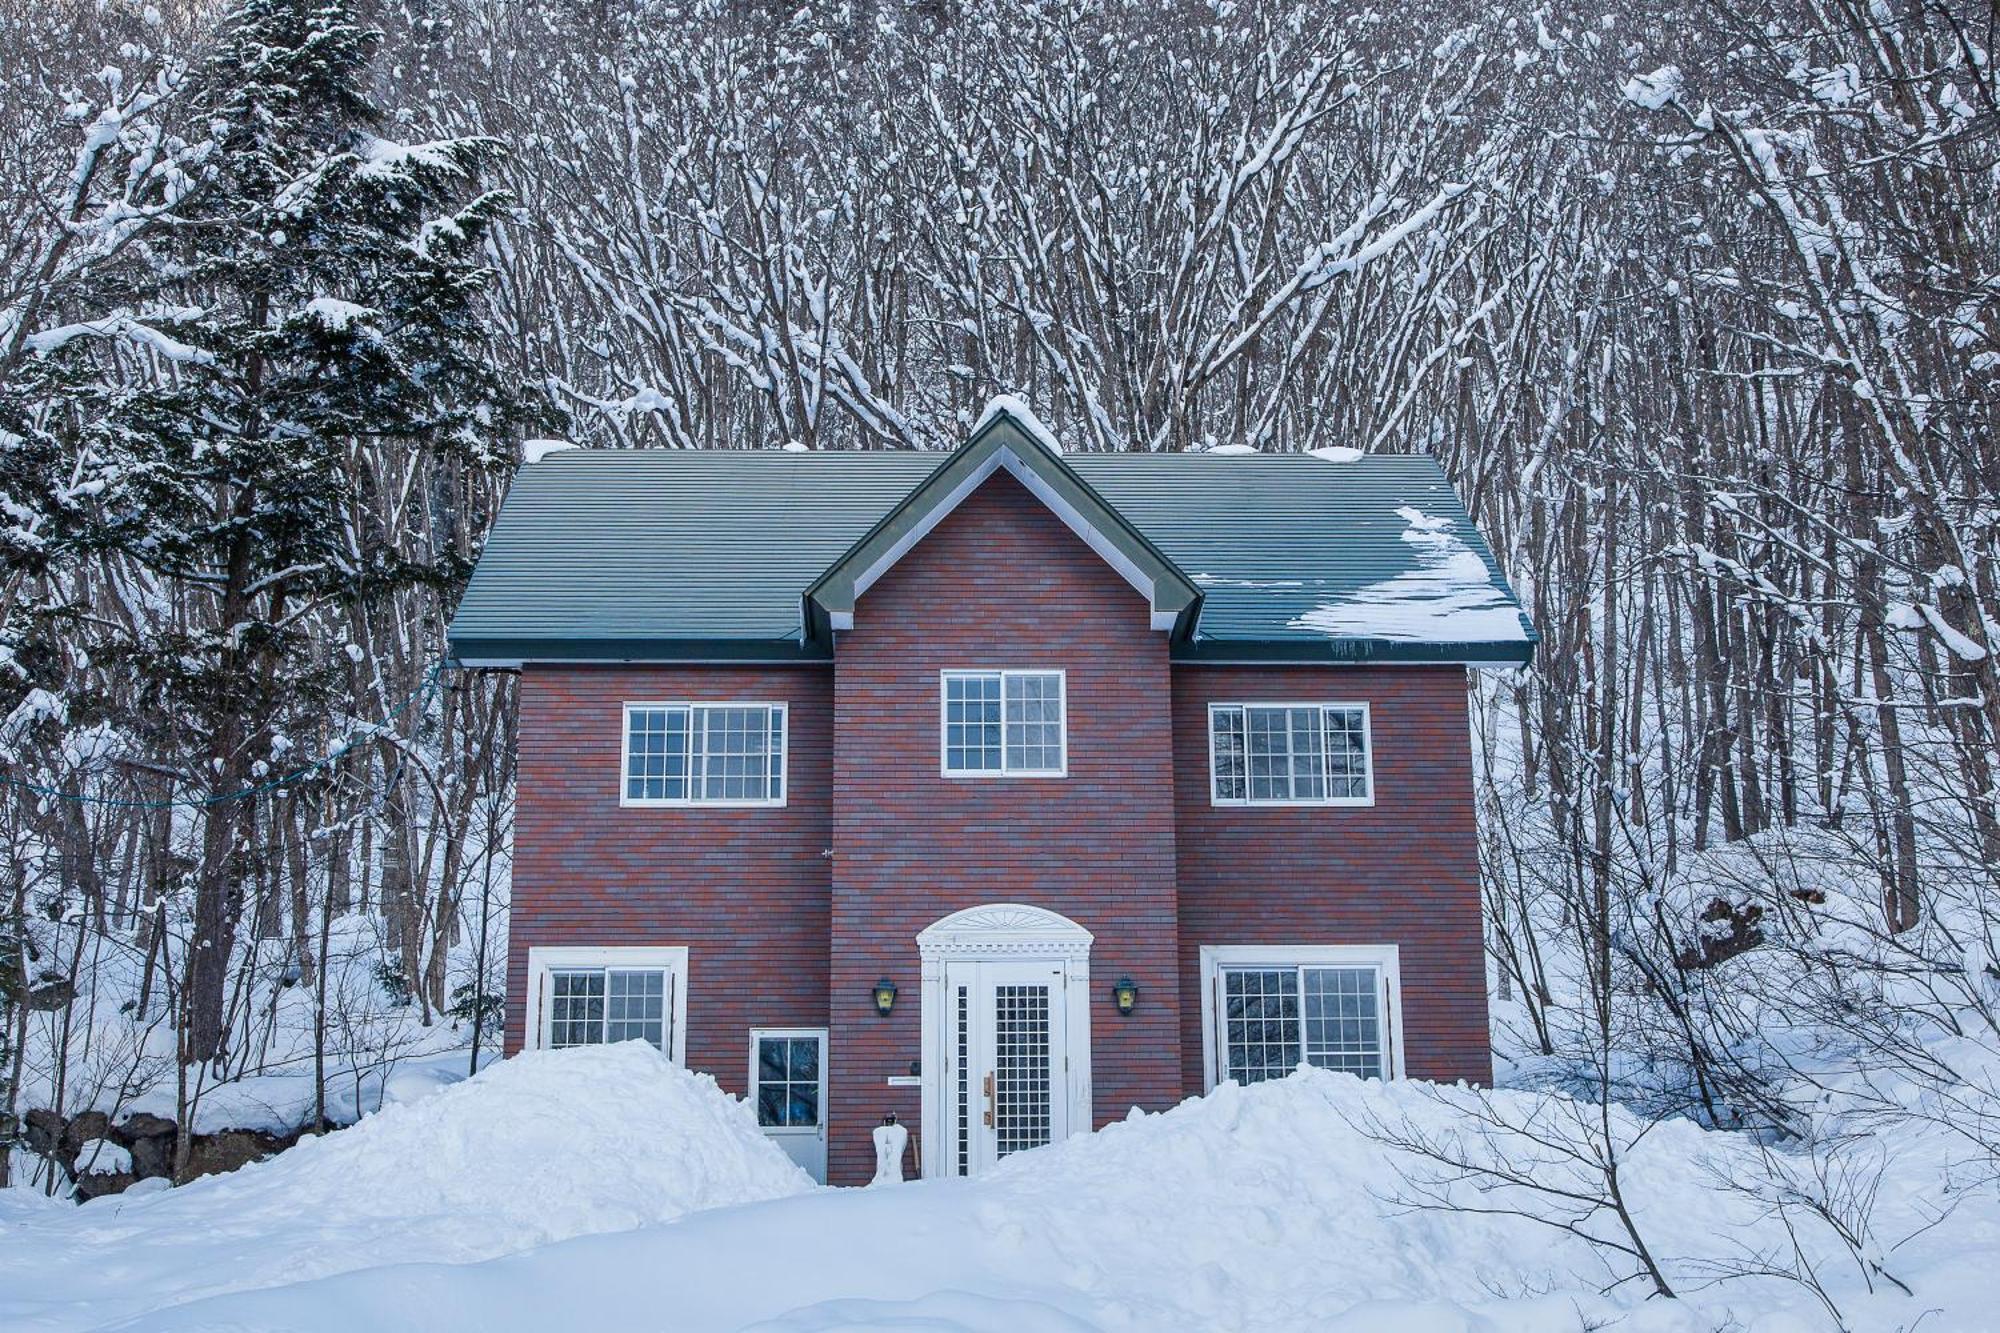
<point x="1001" y="790"/>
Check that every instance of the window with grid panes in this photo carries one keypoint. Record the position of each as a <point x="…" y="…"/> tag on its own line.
<point x="704" y="754"/>
<point x="1274" y="1017"/>
<point x="788" y="1082"/>
<point x="1289" y="754"/>
<point x="592" y="1005"/>
<point x="1004" y="723"/>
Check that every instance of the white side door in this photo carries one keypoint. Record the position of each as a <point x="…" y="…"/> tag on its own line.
<point x="1006" y="1076"/>
<point x="788" y="1092"/>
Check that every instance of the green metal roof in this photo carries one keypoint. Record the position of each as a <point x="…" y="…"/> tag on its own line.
<point x="708" y="555"/>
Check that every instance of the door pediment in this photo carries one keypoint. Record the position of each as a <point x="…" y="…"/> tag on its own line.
<point x="1005" y="929"/>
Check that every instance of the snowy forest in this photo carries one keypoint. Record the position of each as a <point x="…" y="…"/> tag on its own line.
<point x="1697" y="303"/>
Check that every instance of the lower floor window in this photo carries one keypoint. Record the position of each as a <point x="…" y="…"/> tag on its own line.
<point x="586" y="997"/>
<point x="599" y="1004"/>
<point x="1273" y="1012"/>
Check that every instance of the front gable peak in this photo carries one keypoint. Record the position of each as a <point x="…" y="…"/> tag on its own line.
<point x="1007" y="437"/>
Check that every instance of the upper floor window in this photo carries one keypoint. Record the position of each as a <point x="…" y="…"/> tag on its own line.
<point x="1290" y="754"/>
<point x="704" y="754"/>
<point x="1004" y="724"/>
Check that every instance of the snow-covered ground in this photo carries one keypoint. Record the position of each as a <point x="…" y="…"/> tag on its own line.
<point x="605" y="1188"/>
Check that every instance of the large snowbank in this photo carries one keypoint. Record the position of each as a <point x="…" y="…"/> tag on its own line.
<point x="1267" y="1208"/>
<point x="540" y="1148"/>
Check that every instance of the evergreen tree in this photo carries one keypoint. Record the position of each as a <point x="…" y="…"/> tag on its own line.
<point x="316" y="300"/>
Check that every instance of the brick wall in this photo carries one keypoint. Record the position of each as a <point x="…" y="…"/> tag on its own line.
<point x="999" y="583"/>
<point x="1402" y="872"/>
<point x="744" y="889"/>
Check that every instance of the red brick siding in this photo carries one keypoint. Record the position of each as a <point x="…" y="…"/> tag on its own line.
<point x="999" y="583"/>
<point x="1403" y="872"/>
<point x="745" y="890"/>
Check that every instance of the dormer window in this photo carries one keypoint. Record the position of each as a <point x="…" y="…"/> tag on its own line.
<point x="704" y="754"/>
<point x="1004" y="724"/>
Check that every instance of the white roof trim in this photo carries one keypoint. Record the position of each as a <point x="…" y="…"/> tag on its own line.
<point x="1004" y="928"/>
<point x="1006" y="456"/>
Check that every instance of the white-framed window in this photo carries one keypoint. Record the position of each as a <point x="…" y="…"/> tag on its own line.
<point x="585" y="997"/>
<point x="703" y="754"/>
<point x="1290" y="754"/>
<point x="788" y="1077"/>
<point x="1272" y="1007"/>
<point x="1011" y="724"/>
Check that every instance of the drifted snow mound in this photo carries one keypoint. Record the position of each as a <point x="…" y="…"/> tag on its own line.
<point x="539" y="1148"/>
<point x="1270" y="1208"/>
<point x="542" y="1147"/>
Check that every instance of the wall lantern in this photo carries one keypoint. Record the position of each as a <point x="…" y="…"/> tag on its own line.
<point x="1125" y="994"/>
<point x="885" y="996"/>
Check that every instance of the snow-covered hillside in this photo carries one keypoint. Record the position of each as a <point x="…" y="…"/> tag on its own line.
<point x="1271" y="1207"/>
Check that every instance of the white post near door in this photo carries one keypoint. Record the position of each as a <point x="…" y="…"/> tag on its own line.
<point x="976" y="951"/>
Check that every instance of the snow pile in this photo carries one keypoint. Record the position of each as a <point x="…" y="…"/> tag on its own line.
<point x="535" y="1149"/>
<point x="1449" y="597"/>
<point x="534" y="451"/>
<point x="1339" y="453"/>
<point x="1274" y="1207"/>
<point x="1006" y="404"/>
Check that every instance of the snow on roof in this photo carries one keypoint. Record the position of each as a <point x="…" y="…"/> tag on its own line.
<point x="636" y="547"/>
<point x="1006" y="404"/>
<point x="1339" y="453"/>
<point x="534" y="451"/>
<point x="1449" y="597"/>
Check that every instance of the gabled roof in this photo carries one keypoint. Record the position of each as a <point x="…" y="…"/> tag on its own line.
<point x="1007" y="438"/>
<point x="749" y="555"/>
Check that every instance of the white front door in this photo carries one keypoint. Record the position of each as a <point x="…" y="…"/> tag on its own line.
<point x="1006" y="1084"/>
<point x="788" y="1088"/>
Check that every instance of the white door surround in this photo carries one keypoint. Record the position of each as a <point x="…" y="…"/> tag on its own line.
<point x="990" y="950"/>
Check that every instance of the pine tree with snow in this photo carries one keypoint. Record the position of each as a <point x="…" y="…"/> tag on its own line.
<point x="314" y="307"/>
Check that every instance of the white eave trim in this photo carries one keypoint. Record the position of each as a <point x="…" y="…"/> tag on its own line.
<point x="1005" y="456"/>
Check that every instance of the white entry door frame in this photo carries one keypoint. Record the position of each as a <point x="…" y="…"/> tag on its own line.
<point x="1001" y="956"/>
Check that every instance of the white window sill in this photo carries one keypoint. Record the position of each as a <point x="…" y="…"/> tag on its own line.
<point x="1343" y="803"/>
<point x="631" y="804"/>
